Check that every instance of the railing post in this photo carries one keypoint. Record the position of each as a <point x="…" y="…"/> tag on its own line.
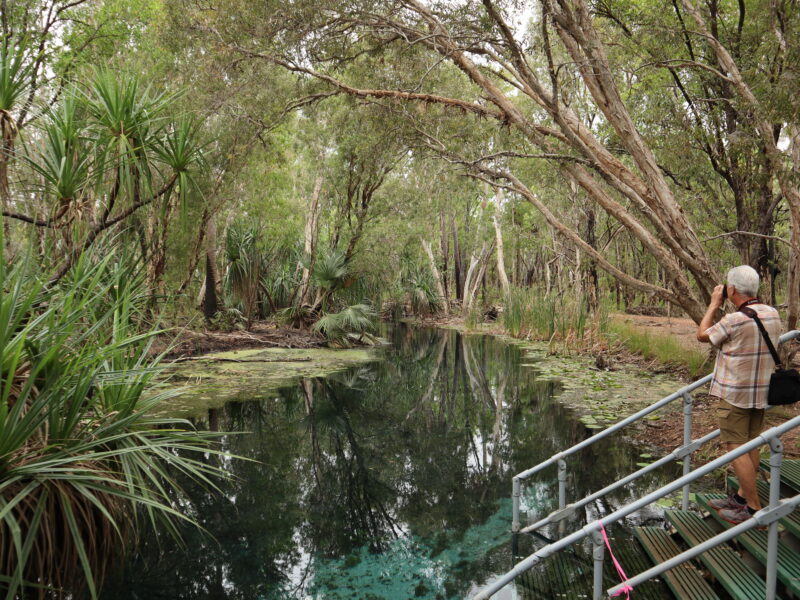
<point x="515" y="499"/>
<point x="687" y="439"/>
<point x="598" y="553"/>
<point x="775" y="460"/>
<point x="562" y="483"/>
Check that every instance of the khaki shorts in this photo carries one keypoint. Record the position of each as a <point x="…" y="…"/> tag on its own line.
<point x="738" y="425"/>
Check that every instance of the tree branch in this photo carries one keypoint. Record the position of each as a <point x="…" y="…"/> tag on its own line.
<point x="751" y="234"/>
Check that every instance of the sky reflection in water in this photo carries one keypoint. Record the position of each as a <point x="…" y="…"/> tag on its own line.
<point x="387" y="481"/>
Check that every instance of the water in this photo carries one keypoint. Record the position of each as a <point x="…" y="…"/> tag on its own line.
<point x="387" y="481"/>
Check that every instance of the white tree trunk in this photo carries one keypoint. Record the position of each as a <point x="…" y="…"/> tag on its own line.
<point x="501" y="265"/>
<point x="426" y="245"/>
<point x="310" y="239"/>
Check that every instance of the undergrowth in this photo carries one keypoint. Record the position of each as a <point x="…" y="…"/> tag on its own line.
<point x="665" y="349"/>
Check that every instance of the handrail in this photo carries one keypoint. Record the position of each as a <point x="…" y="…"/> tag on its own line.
<point x="558" y="458"/>
<point x="684" y="452"/>
<point x="763" y="517"/>
<point x="592" y="529"/>
<point x="568" y="510"/>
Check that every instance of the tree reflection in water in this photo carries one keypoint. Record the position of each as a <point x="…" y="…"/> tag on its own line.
<point x="388" y="480"/>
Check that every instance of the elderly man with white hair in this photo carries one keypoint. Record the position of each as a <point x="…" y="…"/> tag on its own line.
<point x="741" y="380"/>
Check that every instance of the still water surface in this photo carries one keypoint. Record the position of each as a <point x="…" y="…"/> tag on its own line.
<point x="387" y="481"/>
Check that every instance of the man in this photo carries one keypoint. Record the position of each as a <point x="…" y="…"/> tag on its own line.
<point x="741" y="380"/>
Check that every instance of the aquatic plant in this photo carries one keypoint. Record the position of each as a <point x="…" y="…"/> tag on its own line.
<point x="81" y="462"/>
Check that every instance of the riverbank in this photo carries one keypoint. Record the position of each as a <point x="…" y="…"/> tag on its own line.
<point x="662" y="431"/>
<point x="602" y="381"/>
<point x="181" y="342"/>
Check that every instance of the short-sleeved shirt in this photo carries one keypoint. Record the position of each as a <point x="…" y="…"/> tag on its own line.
<point x="744" y="364"/>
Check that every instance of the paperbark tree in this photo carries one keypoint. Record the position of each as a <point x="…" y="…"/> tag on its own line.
<point x="779" y="164"/>
<point x="501" y="264"/>
<point x="437" y="279"/>
<point x="310" y="240"/>
<point x="648" y="209"/>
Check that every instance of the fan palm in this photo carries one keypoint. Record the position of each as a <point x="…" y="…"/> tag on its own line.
<point x="357" y="321"/>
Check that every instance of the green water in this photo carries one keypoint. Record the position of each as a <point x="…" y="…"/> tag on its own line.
<point x="387" y="481"/>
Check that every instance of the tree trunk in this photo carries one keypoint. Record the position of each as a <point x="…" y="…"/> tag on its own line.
<point x="776" y="163"/>
<point x="310" y="240"/>
<point x="210" y="297"/>
<point x="458" y="267"/>
<point x="435" y="271"/>
<point x="445" y="254"/>
<point x="501" y="266"/>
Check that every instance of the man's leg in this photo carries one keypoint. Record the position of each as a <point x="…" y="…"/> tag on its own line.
<point x="755" y="458"/>
<point x="738" y="426"/>
<point x="746" y="468"/>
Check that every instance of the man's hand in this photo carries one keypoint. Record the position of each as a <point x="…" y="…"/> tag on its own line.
<point x="716" y="297"/>
<point x="708" y="319"/>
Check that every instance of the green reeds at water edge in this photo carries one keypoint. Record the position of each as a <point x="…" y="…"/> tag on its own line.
<point x="665" y="349"/>
<point x="552" y="318"/>
<point x="82" y="463"/>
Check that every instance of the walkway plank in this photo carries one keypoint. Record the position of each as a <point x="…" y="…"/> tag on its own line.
<point x="755" y="542"/>
<point x="790" y="523"/>
<point x="685" y="581"/>
<point x="790" y="472"/>
<point x="741" y="582"/>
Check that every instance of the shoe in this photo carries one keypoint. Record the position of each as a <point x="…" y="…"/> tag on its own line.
<point x="735" y="515"/>
<point x="722" y="503"/>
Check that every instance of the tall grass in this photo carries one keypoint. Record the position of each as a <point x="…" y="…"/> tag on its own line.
<point x="79" y="453"/>
<point x="553" y="318"/>
<point x="665" y="349"/>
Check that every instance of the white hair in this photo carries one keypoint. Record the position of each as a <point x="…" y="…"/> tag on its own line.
<point x="745" y="279"/>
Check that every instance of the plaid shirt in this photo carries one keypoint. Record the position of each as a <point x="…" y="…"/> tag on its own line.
<point x="744" y="364"/>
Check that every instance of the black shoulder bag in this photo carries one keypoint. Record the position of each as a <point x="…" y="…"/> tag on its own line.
<point x="784" y="385"/>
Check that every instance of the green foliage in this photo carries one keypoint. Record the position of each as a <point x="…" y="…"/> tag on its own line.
<point x="331" y="269"/>
<point x="246" y="265"/>
<point x="79" y="453"/>
<point x="15" y="69"/>
<point x="665" y="349"/>
<point x="528" y="314"/>
<point x="354" y="323"/>
<point x="418" y="289"/>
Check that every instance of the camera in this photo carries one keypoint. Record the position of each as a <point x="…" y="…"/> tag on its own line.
<point x="724" y="291"/>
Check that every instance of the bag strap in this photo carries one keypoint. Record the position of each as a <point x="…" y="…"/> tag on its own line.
<point x="753" y="315"/>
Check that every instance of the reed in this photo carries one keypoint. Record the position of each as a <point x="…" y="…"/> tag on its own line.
<point x="553" y="318"/>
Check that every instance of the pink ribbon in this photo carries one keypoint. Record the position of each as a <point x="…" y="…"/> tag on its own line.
<point x="626" y="589"/>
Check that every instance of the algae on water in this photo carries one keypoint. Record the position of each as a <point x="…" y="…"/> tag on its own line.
<point x="209" y="384"/>
<point x="602" y="397"/>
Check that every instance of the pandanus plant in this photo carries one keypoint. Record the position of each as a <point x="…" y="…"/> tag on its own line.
<point x="82" y="460"/>
<point x="109" y="151"/>
<point x="15" y="70"/>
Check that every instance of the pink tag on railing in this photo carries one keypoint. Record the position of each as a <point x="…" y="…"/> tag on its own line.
<point x="626" y="589"/>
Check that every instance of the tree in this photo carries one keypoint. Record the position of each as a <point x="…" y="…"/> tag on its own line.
<point x="653" y="215"/>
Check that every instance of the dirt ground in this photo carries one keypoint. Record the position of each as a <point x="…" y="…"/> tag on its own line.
<point x="667" y="433"/>
<point x="186" y="342"/>
<point x="681" y="328"/>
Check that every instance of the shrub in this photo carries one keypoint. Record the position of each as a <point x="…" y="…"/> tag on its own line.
<point x="79" y="452"/>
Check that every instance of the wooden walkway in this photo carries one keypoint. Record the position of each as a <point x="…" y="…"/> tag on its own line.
<point x="730" y="571"/>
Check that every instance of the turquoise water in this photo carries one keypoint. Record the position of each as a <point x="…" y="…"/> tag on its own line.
<point x="388" y="481"/>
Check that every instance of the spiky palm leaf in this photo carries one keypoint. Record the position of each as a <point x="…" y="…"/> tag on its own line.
<point x="331" y="269"/>
<point x="78" y="449"/>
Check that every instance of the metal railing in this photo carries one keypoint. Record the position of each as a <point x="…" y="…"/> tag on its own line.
<point x="684" y="452"/>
